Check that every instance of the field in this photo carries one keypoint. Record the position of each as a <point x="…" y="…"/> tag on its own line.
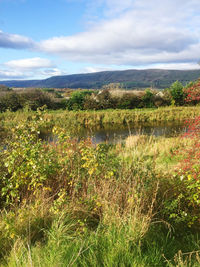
<point x="74" y="203"/>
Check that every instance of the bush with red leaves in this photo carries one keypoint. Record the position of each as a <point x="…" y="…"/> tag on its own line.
<point x="192" y="93"/>
<point x="183" y="206"/>
<point x="190" y="165"/>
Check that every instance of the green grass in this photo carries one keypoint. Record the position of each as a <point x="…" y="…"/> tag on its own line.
<point x="75" y="204"/>
<point x="114" y="245"/>
<point x="103" y="117"/>
<point x="76" y="121"/>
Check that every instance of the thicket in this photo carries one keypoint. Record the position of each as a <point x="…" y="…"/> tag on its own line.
<point x="177" y="93"/>
<point x="113" y="97"/>
<point x="31" y="98"/>
<point x="185" y="208"/>
<point x="70" y="202"/>
<point x="106" y="99"/>
<point x="192" y="92"/>
<point x="4" y="88"/>
<point x="77" y="100"/>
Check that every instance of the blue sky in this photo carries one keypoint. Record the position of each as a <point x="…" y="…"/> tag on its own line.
<point x="42" y="38"/>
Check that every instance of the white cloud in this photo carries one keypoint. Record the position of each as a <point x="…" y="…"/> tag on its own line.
<point x="177" y="66"/>
<point x="110" y="8"/>
<point x="120" y="35"/>
<point x="30" y="63"/>
<point x="28" y="68"/>
<point x="11" y="74"/>
<point x="137" y="33"/>
<point x="145" y="31"/>
<point x="53" y="72"/>
<point x="15" y="41"/>
<point x="93" y="69"/>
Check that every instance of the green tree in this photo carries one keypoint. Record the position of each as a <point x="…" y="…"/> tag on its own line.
<point x="177" y="93"/>
<point x="147" y="99"/>
<point x="77" y="99"/>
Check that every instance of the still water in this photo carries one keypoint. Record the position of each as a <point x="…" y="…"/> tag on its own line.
<point x="114" y="134"/>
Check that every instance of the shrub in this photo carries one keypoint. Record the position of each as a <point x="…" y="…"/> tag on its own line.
<point x="9" y="100"/>
<point x="26" y="163"/>
<point x="183" y="202"/>
<point x="177" y="93"/>
<point x="105" y="99"/>
<point x="4" y="88"/>
<point x="60" y="104"/>
<point x="35" y="98"/>
<point x="77" y="99"/>
<point x="148" y="99"/>
<point x="91" y="103"/>
<point x="127" y="101"/>
<point x="192" y="93"/>
<point x="58" y="95"/>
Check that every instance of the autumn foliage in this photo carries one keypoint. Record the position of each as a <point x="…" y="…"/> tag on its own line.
<point x="190" y="164"/>
<point x="192" y="93"/>
<point x="188" y="176"/>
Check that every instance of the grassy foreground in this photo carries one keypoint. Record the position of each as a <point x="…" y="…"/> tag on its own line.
<point x="72" y="203"/>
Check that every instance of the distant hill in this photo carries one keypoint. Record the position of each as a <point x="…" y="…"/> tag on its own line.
<point x="129" y="78"/>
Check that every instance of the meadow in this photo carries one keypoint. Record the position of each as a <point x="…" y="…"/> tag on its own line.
<point x="74" y="203"/>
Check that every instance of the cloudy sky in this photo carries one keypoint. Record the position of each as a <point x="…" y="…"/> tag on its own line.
<point x="42" y="38"/>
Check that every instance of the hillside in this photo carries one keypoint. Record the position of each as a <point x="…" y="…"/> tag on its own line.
<point x="129" y="78"/>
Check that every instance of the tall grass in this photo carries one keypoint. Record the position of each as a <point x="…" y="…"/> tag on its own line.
<point x="104" y="117"/>
<point x="76" y="121"/>
<point x="103" y="205"/>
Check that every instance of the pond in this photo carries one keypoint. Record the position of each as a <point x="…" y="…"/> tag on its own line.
<point x="116" y="134"/>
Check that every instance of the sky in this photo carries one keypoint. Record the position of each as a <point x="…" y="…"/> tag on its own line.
<point x="43" y="38"/>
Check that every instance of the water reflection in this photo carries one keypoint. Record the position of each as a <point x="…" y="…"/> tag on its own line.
<point x="118" y="134"/>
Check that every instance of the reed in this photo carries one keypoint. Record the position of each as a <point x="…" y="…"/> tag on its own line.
<point x="75" y="204"/>
<point x="105" y="117"/>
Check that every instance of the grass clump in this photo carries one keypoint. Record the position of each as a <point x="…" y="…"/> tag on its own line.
<point x="70" y="203"/>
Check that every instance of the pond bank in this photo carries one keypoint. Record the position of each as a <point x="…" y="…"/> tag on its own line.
<point x="77" y="121"/>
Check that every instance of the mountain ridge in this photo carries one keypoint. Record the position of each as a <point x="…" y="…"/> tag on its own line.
<point x="132" y="78"/>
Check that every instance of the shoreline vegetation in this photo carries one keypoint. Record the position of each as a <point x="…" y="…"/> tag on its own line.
<point x="76" y="122"/>
<point x="71" y="203"/>
<point x="111" y="96"/>
<point x="106" y="117"/>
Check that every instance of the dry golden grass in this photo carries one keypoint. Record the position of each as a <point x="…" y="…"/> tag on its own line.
<point x="134" y="140"/>
<point x="121" y="93"/>
<point x="160" y="149"/>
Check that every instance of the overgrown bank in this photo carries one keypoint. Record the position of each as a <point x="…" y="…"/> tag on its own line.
<point x="111" y="96"/>
<point x="102" y="118"/>
<point x="72" y="203"/>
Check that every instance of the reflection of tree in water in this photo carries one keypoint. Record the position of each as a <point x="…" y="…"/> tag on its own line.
<point x="111" y="135"/>
<point x="114" y="134"/>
